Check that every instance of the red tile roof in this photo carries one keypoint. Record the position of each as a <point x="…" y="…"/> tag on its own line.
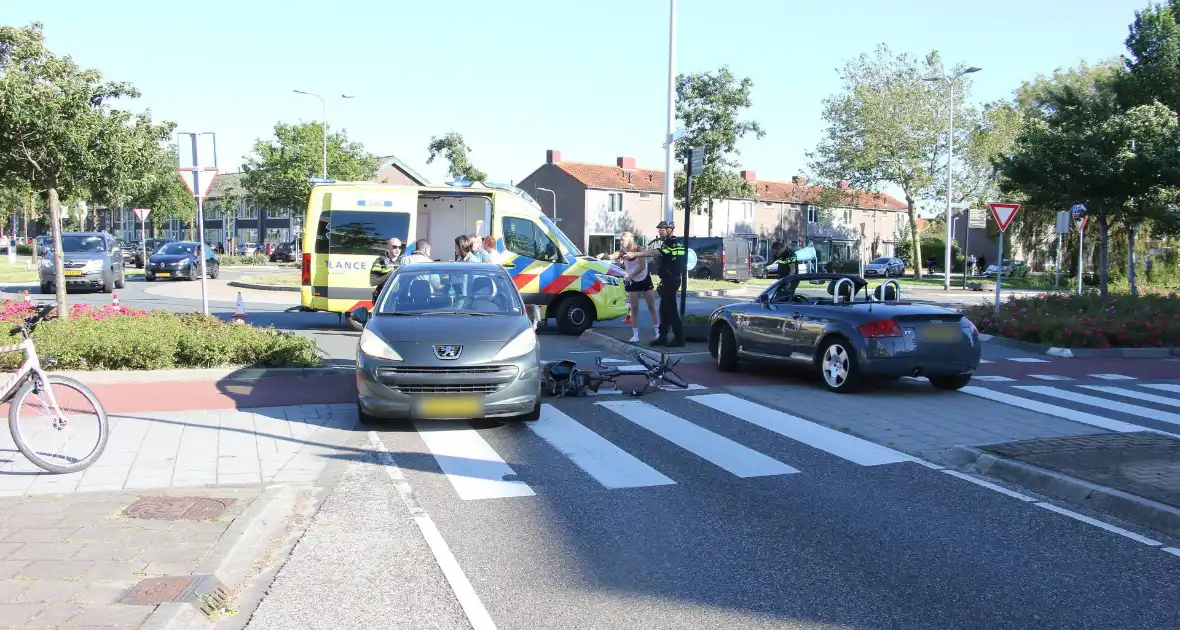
<point x="801" y="193"/>
<point x="613" y="177"/>
<point x="647" y="180"/>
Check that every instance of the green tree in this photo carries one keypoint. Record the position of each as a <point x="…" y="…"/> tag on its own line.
<point x="59" y="132"/>
<point x="888" y="126"/>
<point x="455" y="151"/>
<point x="709" y="106"/>
<point x="1153" y="59"/>
<point x="278" y="171"/>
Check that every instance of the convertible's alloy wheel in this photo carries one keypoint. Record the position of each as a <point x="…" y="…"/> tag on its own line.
<point x="835" y="366"/>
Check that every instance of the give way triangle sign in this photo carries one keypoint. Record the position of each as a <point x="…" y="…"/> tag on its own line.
<point x="1003" y="213"/>
<point x="197" y="180"/>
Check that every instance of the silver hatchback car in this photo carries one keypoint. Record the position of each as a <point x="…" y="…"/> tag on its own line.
<point x="451" y="341"/>
<point x="90" y="260"/>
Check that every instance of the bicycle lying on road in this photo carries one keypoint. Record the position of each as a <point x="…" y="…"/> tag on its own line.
<point x="68" y="428"/>
<point x="562" y="378"/>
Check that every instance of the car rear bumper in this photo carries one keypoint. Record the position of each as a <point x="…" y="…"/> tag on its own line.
<point x="382" y="400"/>
<point x="917" y="367"/>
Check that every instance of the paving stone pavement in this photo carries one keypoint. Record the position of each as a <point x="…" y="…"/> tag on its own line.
<point x="176" y="449"/>
<point x="66" y="560"/>
<point x="914" y="418"/>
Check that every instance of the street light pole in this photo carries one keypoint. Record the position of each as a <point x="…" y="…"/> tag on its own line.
<point x="950" y="154"/>
<point x="324" y="124"/>
<point x="554" y="199"/>
<point x="669" y="143"/>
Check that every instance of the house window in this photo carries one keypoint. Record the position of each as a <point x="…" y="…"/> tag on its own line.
<point x="614" y="202"/>
<point x="525" y="238"/>
<point x="644" y="195"/>
<point x="247" y="212"/>
<point x="284" y="213"/>
<point x="212" y="215"/>
<point x="848" y="215"/>
<point x="813" y="214"/>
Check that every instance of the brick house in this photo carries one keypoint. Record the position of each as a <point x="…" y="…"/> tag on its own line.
<point x="595" y="202"/>
<point x="395" y="171"/>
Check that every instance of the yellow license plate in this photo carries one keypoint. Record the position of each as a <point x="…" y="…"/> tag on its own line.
<point x="942" y="333"/>
<point x="73" y="272"/>
<point x="163" y="274"/>
<point x="451" y="407"/>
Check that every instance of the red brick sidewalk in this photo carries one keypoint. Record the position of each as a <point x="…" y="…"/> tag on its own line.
<point x="225" y="394"/>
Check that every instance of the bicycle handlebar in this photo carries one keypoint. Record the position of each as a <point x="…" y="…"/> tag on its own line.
<point x="32" y="321"/>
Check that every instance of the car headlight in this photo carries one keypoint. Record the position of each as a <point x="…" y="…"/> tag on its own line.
<point x="606" y="279"/>
<point x="524" y="343"/>
<point x="373" y="346"/>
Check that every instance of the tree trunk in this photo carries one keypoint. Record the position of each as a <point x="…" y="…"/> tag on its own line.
<point x="710" y="211"/>
<point x="1131" y="228"/>
<point x="1103" y="255"/>
<point x="916" y="250"/>
<point x="59" y="272"/>
<point x="29" y="213"/>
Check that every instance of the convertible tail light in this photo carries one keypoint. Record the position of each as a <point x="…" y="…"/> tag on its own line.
<point x="880" y="328"/>
<point x="969" y="325"/>
<point x="305" y="272"/>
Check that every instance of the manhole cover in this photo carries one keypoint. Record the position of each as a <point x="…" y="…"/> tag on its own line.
<point x="161" y="590"/>
<point x="178" y="508"/>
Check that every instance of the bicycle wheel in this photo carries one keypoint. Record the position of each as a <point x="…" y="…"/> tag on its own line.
<point x="33" y="419"/>
<point x="674" y="378"/>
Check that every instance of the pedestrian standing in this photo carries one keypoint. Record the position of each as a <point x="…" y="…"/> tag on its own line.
<point x="464" y="250"/>
<point x="488" y="252"/>
<point x="385" y="265"/>
<point x="669" y="261"/>
<point x="637" y="283"/>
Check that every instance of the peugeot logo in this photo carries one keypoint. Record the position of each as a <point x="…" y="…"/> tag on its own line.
<point x="448" y="352"/>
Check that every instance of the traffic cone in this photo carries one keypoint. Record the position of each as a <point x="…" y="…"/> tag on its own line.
<point x="628" y="318"/>
<point x="114" y="300"/>
<point x="241" y="311"/>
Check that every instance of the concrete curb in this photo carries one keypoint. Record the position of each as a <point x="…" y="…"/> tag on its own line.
<point x="1119" y="504"/>
<point x="233" y="556"/>
<point x="212" y="374"/>
<point x="1083" y="353"/>
<point x="260" y="287"/>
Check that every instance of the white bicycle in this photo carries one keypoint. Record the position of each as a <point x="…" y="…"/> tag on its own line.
<point x="30" y="420"/>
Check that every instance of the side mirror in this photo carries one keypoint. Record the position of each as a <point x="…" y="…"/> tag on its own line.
<point x="764" y="299"/>
<point x="534" y="315"/>
<point x="360" y="314"/>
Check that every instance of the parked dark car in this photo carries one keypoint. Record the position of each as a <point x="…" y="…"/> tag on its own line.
<point x="180" y="260"/>
<point x="285" y="252"/>
<point x="153" y="245"/>
<point x="832" y="324"/>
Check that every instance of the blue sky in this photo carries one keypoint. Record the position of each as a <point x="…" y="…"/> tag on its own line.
<point x="517" y="77"/>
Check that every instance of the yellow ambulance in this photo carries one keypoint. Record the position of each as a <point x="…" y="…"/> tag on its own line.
<point x="349" y="223"/>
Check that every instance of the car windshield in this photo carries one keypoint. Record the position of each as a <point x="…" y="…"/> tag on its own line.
<point x="451" y="292"/>
<point x="880" y="261"/>
<point x="178" y="249"/>
<point x="82" y="243"/>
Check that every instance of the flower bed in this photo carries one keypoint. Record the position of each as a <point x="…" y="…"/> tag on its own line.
<point x="1085" y="321"/>
<point x="124" y="338"/>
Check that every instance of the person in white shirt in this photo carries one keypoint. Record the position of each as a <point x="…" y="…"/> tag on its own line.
<point x="638" y="284"/>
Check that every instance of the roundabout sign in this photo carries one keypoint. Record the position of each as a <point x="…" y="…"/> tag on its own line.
<point x="692" y="259"/>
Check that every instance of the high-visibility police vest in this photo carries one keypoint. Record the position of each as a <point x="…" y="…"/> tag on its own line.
<point x="671" y="259"/>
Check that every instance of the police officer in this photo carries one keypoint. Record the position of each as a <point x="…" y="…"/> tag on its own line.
<point x="669" y="269"/>
<point x="786" y="260"/>
<point x="385" y="265"/>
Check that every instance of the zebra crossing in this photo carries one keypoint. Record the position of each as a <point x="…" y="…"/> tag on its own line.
<point x="1102" y="406"/>
<point x="993" y="378"/>
<point x="476" y="471"/>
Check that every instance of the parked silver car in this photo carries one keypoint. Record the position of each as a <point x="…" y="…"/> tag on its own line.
<point x="91" y="260"/>
<point x="449" y="341"/>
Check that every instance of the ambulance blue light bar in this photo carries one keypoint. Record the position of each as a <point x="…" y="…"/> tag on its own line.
<point x="388" y="203"/>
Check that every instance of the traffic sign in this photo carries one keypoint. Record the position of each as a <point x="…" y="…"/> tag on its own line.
<point x="1081" y="224"/>
<point x="1062" y="223"/>
<point x="1078" y="210"/>
<point x="1003" y="213"/>
<point x="696" y="161"/>
<point x="142" y="213"/>
<point x="194" y="177"/>
<point x="692" y="259"/>
<point x="976" y="219"/>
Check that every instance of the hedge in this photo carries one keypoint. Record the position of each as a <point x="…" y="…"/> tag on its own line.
<point x="1069" y="320"/>
<point x="124" y="338"/>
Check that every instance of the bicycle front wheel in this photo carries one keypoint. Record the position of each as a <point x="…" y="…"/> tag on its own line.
<point x="46" y="436"/>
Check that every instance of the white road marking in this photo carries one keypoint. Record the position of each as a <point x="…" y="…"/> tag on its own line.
<point x="608" y="464"/>
<point x="1099" y="524"/>
<point x="986" y="361"/>
<point x="472" y="466"/>
<point x="1163" y="387"/>
<point x="993" y="379"/>
<point x="989" y="485"/>
<point x="1102" y="403"/>
<point x="1051" y="377"/>
<point x="691" y="388"/>
<point x="473" y="608"/>
<point x="613" y="360"/>
<point x="1172" y="550"/>
<point x="1054" y="410"/>
<point x="1130" y="393"/>
<point x="720" y="450"/>
<point x="1027" y="360"/>
<point x="1114" y="377"/>
<point x="841" y="445"/>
